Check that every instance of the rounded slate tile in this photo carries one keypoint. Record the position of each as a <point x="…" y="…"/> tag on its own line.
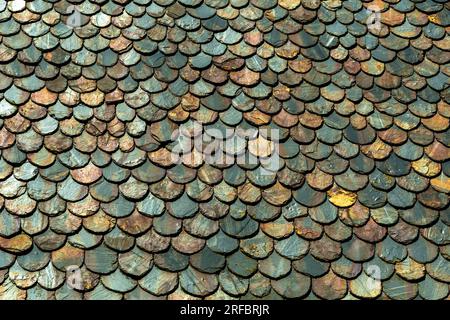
<point x="171" y="260"/>
<point x="358" y="250"/>
<point x="325" y="249"/>
<point x="259" y="246"/>
<point x="207" y="261"/>
<point x="118" y="240"/>
<point x="422" y="250"/>
<point x="185" y="243"/>
<point x="135" y="262"/>
<point x="410" y="269"/>
<point x="430" y="289"/>
<point x="233" y="284"/>
<point x="67" y="256"/>
<point x="101" y="260"/>
<point x="241" y="265"/>
<point x="329" y="286"/>
<point x="292" y="248"/>
<point x="51" y="278"/>
<point x="222" y="243"/>
<point x="102" y="293"/>
<point x="346" y="268"/>
<point x="439" y="269"/>
<point x="118" y="282"/>
<point x="197" y="283"/>
<point x="17" y="244"/>
<point x="365" y="286"/>
<point x="338" y="231"/>
<point x="295" y="285"/>
<point x="308" y="229"/>
<point x="70" y="190"/>
<point x="183" y="207"/>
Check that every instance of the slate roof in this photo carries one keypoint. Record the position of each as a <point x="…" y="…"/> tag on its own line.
<point x="86" y="180"/>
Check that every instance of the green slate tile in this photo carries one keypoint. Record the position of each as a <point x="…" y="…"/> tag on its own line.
<point x="167" y="225"/>
<point x="241" y="265"/>
<point x="381" y="181"/>
<point x="430" y="289"/>
<point x="38" y="293"/>
<point x="295" y="285"/>
<point x="101" y="260"/>
<point x="57" y="172"/>
<point x="148" y="172"/>
<point x="207" y="261"/>
<point x="172" y="261"/>
<point x="139" y="294"/>
<point x="119" y="207"/>
<point x="398" y="289"/>
<point x="41" y="189"/>
<point x="50" y="278"/>
<point x="379" y="269"/>
<point x="310" y="266"/>
<point x="35" y="260"/>
<point x="135" y="262"/>
<point x="386" y="215"/>
<point x="222" y="243"/>
<point x="115" y="173"/>
<point x="308" y="196"/>
<point x="364" y="136"/>
<point x="234" y="176"/>
<point x="318" y="150"/>
<point x="422" y="250"/>
<point x="292" y="248"/>
<point x="197" y="283"/>
<point x="73" y="159"/>
<point x="351" y="180"/>
<point x="85" y="239"/>
<point x="181" y="174"/>
<point x="258" y="247"/>
<point x="439" y="269"/>
<point x="104" y="191"/>
<point x="16" y="95"/>
<point x="334" y="164"/>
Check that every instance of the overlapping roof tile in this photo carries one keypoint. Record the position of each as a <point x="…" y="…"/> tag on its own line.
<point x="351" y="96"/>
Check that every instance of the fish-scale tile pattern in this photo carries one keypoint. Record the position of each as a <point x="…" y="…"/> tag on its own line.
<point x="91" y="93"/>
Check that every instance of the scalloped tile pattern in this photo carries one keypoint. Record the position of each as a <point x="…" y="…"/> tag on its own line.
<point x="91" y="92"/>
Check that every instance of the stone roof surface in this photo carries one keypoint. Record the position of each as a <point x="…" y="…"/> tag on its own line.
<point x="352" y="97"/>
